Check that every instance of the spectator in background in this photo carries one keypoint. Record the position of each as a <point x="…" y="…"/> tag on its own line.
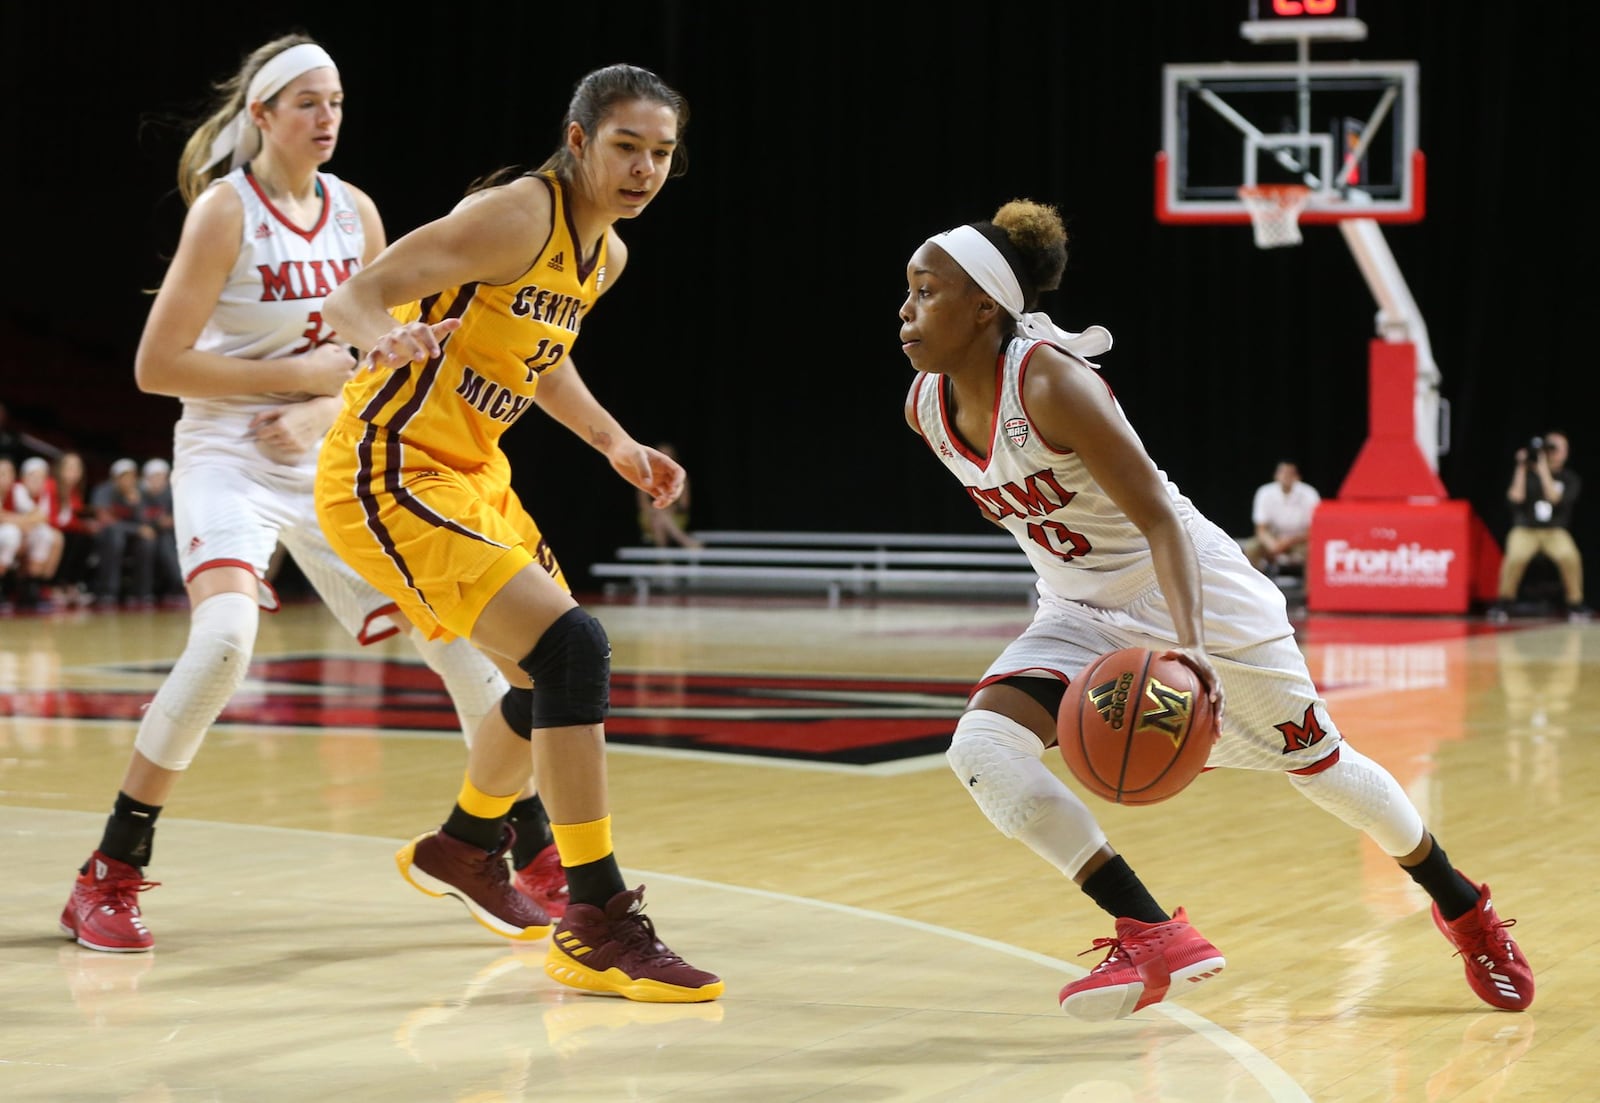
<point x="666" y="527"/>
<point x="77" y="524"/>
<point x="10" y="533"/>
<point x="125" y="544"/>
<point x="1281" y="514"/>
<point x="1542" y="495"/>
<point x="32" y="498"/>
<point x="155" y="487"/>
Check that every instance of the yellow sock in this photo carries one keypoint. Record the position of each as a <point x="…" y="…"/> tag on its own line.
<point x="582" y="843"/>
<point x="475" y="802"/>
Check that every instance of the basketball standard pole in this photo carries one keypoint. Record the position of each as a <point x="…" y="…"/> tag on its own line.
<point x="1399" y="320"/>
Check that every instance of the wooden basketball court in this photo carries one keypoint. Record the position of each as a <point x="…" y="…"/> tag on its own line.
<point x="778" y="786"/>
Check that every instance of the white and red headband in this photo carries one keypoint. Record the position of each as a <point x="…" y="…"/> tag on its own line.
<point x="988" y="268"/>
<point x="240" y="140"/>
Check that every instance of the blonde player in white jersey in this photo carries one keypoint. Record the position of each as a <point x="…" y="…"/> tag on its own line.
<point x="1013" y="407"/>
<point x="236" y="332"/>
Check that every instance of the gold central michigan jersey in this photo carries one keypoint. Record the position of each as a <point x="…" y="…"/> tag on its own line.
<point x="456" y="406"/>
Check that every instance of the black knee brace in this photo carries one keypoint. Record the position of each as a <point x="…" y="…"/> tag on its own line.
<point x="517" y="708"/>
<point x="571" y="671"/>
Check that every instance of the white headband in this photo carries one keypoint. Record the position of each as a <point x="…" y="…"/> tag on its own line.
<point x="988" y="268"/>
<point x="239" y="139"/>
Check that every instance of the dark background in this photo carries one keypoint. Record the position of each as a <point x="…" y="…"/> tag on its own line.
<point x="757" y="326"/>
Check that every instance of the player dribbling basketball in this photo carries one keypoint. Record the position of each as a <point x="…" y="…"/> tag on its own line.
<point x="1012" y="406"/>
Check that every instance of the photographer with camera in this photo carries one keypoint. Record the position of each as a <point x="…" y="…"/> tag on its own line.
<point x="1542" y="494"/>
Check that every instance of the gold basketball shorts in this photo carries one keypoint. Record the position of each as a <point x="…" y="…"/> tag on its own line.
<point x="438" y="541"/>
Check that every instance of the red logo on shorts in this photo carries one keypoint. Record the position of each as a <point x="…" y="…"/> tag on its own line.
<point x="1307" y="733"/>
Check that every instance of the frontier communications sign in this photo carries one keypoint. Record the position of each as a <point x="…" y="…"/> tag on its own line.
<point x="1381" y="556"/>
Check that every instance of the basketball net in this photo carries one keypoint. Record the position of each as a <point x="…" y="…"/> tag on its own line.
<point x="1275" y="212"/>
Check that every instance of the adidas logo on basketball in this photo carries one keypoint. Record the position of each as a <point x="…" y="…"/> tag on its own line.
<point x="1110" y="699"/>
<point x="557" y="262"/>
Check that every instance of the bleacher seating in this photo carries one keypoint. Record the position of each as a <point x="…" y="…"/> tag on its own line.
<point x="834" y="563"/>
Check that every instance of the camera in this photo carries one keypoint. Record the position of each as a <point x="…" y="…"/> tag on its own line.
<point x="1536" y="444"/>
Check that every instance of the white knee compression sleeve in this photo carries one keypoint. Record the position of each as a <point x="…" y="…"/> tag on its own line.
<point x="998" y="762"/>
<point x="222" y="634"/>
<point x="1368" y="798"/>
<point x="475" y="684"/>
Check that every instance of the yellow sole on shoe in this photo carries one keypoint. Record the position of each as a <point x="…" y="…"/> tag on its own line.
<point x="562" y="968"/>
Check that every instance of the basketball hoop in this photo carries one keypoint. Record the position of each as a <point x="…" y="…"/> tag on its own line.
<point x="1275" y="212"/>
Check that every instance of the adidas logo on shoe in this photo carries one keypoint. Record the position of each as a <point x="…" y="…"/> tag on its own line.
<point x="1502" y="982"/>
<point x="1496" y="969"/>
<point x="1142" y="963"/>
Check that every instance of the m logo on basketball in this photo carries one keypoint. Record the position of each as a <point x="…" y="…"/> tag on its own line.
<point x="1171" y="712"/>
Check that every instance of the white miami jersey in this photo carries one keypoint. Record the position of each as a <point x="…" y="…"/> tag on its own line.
<point x="1083" y="546"/>
<point x="270" y="307"/>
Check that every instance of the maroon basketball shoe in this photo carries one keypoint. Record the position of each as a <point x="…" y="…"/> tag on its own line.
<point x="615" y="950"/>
<point x="1143" y="963"/>
<point x="440" y="865"/>
<point x="544" y="881"/>
<point x="1496" y="969"/>
<point x="103" y="911"/>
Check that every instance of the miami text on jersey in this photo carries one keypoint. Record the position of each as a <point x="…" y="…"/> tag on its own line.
<point x="304" y="279"/>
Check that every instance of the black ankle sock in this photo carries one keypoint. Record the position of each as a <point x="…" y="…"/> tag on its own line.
<point x="130" y="831"/>
<point x="1120" y="893"/>
<point x="532" y="825"/>
<point x="595" y="882"/>
<point x="473" y="829"/>
<point x="1439" y="879"/>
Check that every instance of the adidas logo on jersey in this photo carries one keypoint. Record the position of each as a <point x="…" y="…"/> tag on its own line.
<point x="558" y="262"/>
<point x="263" y="230"/>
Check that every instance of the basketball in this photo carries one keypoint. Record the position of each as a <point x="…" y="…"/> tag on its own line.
<point x="1135" y="728"/>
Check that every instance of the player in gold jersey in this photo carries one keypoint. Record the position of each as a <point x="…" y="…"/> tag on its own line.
<point x="415" y="493"/>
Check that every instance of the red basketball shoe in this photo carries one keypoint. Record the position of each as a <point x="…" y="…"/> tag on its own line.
<point x="1496" y="969"/>
<point x="1144" y="961"/>
<point x="103" y="911"/>
<point x="616" y="950"/>
<point x="544" y="881"/>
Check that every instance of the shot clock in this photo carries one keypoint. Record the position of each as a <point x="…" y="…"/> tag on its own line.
<point x="1283" y="20"/>
<point x="1302" y="9"/>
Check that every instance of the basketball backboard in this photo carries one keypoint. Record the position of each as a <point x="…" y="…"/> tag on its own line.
<point x="1345" y="129"/>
